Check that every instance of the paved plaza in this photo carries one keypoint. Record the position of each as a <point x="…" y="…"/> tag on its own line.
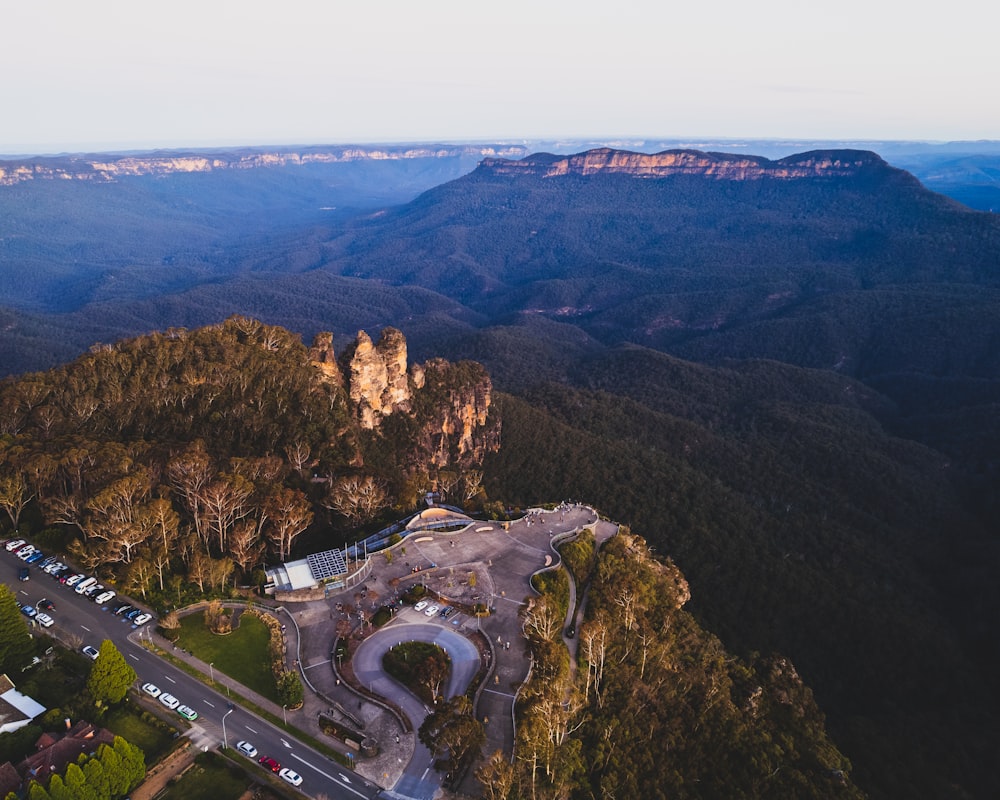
<point x="485" y="562"/>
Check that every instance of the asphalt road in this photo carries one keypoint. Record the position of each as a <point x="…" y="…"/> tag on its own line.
<point x="75" y="614"/>
<point x="418" y="781"/>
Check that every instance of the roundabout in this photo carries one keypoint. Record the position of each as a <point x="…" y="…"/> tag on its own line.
<point x="418" y="780"/>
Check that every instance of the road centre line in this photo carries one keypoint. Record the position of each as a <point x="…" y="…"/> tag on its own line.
<point x="208" y="704"/>
<point x="86" y="628"/>
<point x="327" y="775"/>
<point x="169" y="679"/>
<point x="249" y="729"/>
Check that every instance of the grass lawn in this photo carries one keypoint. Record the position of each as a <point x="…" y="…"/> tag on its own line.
<point x="242" y="654"/>
<point x="211" y="778"/>
<point x="150" y="734"/>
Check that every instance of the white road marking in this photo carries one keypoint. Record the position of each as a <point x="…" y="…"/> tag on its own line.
<point x="169" y="679"/>
<point x="208" y="704"/>
<point x="85" y="628"/>
<point x="328" y="775"/>
<point x="249" y="729"/>
<point x="425" y="773"/>
<point x="320" y="664"/>
<point x="133" y="656"/>
<point x="286" y="744"/>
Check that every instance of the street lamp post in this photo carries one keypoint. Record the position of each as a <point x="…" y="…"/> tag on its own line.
<point x="284" y="716"/>
<point x="211" y="670"/>
<point x="225" y="741"/>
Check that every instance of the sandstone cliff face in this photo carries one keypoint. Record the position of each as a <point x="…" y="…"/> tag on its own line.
<point x="376" y="377"/>
<point x="324" y="359"/>
<point x="461" y="432"/>
<point x="721" y="166"/>
<point x="106" y="168"/>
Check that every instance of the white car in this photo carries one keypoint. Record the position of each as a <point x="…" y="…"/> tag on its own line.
<point x="169" y="701"/>
<point x="420" y="606"/>
<point x="90" y="652"/>
<point x="292" y="777"/>
<point x="431" y="611"/>
<point x="151" y="689"/>
<point x="142" y="619"/>
<point x="13" y="544"/>
<point x="103" y="597"/>
<point x="43" y="619"/>
<point x="247" y="749"/>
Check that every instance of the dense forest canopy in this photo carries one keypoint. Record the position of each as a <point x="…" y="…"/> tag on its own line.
<point x="205" y="453"/>
<point x="655" y="707"/>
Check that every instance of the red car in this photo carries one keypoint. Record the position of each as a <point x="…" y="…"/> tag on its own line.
<point x="270" y="763"/>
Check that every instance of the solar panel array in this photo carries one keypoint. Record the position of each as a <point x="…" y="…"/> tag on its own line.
<point x="326" y="564"/>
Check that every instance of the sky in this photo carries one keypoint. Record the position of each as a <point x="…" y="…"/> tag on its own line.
<point x="139" y="74"/>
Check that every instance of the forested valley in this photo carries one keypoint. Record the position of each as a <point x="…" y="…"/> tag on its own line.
<point x="788" y="390"/>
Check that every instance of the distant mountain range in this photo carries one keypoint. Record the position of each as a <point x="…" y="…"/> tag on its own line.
<point x="783" y="369"/>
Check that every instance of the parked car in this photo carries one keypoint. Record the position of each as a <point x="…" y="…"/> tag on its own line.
<point x="35" y="557"/>
<point x="142" y="619"/>
<point x="292" y="777"/>
<point x="188" y="713"/>
<point x="151" y="689"/>
<point x="28" y="611"/>
<point x="269" y="763"/>
<point x="54" y="567"/>
<point x="247" y="749"/>
<point x="74" y="579"/>
<point x="135" y="612"/>
<point x="97" y="588"/>
<point x="103" y="597"/>
<point x="13" y="544"/>
<point x="43" y="619"/>
<point x="90" y="652"/>
<point x="421" y="605"/>
<point x="432" y="610"/>
<point x="25" y="552"/>
<point x="169" y="701"/>
<point x="123" y="608"/>
<point x="48" y="562"/>
<point x="85" y="584"/>
<point x="46" y="604"/>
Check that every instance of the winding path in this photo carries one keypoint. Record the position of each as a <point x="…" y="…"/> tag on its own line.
<point x="367" y="662"/>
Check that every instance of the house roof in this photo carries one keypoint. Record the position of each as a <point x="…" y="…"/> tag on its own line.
<point x="54" y="758"/>
<point x="10" y="781"/>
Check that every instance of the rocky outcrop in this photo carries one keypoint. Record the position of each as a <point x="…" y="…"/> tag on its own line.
<point x="377" y="378"/>
<point x="323" y="358"/>
<point x="722" y="166"/>
<point x="449" y="404"/>
<point x="459" y="429"/>
<point x="105" y="167"/>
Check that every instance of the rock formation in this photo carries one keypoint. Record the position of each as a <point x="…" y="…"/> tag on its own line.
<point x="448" y="403"/>
<point x="722" y="166"/>
<point x="108" y="167"/>
<point x="377" y="376"/>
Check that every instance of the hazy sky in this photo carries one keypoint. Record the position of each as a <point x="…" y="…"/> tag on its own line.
<point x="111" y="73"/>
